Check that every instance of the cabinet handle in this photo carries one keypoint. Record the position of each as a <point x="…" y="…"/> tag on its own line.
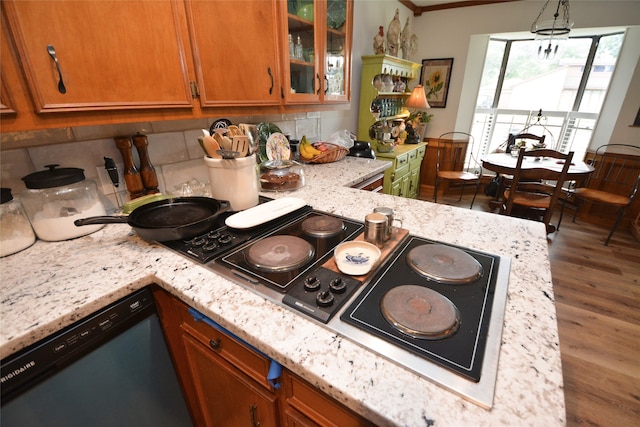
<point x="326" y="85"/>
<point x="270" y="75"/>
<point x="215" y="344"/>
<point x="52" y="53"/>
<point x="253" y="409"/>
<point x="319" y="85"/>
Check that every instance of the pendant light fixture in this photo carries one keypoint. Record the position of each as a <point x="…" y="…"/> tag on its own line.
<point x="550" y="33"/>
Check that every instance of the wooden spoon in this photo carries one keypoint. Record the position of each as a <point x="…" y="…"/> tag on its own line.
<point x="211" y="146"/>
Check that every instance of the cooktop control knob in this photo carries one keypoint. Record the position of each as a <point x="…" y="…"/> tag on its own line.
<point x="311" y="283"/>
<point x="198" y="241"/>
<point x="215" y="234"/>
<point x="338" y="285"/>
<point x="225" y="239"/>
<point x="324" y="299"/>
<point x="210" y="247"/>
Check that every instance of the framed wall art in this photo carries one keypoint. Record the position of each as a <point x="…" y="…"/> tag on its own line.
<point x="435" y="76"/>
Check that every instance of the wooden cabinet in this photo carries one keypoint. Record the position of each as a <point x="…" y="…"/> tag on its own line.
<point x="225" y="380"/>
<point x="235" y="50"/>
<point x="317" y="51"/>
<point x="403" y="177"/>
<point x="6" y="60"/>
<point x="98" y="55"/>
<point x="374" y="184"/>
<point x="143" y="61"/>
<point x="305" y="406"/>
<point x="384" y="88"/>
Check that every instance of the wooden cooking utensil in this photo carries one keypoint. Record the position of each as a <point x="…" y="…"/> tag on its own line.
<point x="211" y="146"/>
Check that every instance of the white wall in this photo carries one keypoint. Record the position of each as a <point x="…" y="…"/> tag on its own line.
<point x="448" y="34"/>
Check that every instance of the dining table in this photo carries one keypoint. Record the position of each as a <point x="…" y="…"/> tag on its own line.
<point x="505" y="164"/>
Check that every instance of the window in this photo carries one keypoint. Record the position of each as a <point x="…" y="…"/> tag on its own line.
<point x="560" y="99"/>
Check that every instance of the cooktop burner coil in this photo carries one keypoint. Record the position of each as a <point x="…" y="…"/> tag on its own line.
<point x="322" y="226"/>
<point x="420" y="312"/>
<point x="280" y="253"/>
<point x="444" y="264"/>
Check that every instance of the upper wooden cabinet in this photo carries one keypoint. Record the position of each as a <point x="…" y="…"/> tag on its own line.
<point x="101" y="55"/>
<point x="317" y="51"/>
<point x="235" y="49"/>
<point x="80" y="63"/>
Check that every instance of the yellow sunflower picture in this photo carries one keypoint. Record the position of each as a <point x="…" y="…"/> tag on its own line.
<point x="435" y="77"/>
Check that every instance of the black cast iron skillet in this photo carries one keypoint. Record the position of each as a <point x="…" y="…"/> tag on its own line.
<point x="170" y="219"/>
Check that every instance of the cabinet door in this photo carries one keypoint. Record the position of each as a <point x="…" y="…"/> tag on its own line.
<point x="414" y="182"/>
<point x="111" y="55"/>
<point x="404" y="186"/>
<point x="6" y="103"/>
<point x="317" y="46"/>
<point x="235" y="47"/>
<point x="337" y="50"/>
<point x="304" y="54"/>
<point x="227" y="396"/>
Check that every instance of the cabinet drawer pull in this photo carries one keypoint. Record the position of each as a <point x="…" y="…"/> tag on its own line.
<point x="326" y="85"/>
<point x="270" y="75"/>
<point x="319" y="85"/>
<point x="253" y="409"/>
<point x="215" y="344"/>
<point x="52" y="53"/>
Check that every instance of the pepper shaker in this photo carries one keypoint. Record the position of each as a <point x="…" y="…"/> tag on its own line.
<point x="147" y="171"/>
<point x="132" y="177"/>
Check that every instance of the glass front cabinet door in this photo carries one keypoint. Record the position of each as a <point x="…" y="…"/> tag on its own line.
<point x="318" y="42"/>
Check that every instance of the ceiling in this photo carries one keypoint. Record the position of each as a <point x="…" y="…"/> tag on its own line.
<point x="418" y="7"/>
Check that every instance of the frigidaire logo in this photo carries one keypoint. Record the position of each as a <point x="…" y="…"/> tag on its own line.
<point x="18" y="371"/>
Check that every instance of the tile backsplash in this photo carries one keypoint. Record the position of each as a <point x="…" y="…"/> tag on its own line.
<point x="173" y="148"/>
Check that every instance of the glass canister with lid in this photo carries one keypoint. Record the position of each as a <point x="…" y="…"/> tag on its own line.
<point x="16" y="233"/>
<point x="56" y="197"/>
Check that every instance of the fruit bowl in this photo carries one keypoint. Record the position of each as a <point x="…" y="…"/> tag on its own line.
<point x="333" y="153"/>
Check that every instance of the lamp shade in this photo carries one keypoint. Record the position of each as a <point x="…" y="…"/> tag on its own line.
<point x="418" y="99"/>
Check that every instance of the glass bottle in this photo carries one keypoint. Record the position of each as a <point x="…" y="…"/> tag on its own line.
<point x="292" y="48"/>
<point x="299" y="54"/>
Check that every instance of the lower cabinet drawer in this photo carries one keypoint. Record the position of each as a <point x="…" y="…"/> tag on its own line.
<point x="400" y="172"/>
<point x="304" y="405"/>
<point x="244" y="358"/>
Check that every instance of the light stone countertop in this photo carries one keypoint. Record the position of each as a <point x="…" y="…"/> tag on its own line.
<point x="53" y="284"/>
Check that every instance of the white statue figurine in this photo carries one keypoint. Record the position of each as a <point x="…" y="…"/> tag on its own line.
<point x="405" y="36"/>
<point x="393" y="34"/>
<point x="378" y="42"/>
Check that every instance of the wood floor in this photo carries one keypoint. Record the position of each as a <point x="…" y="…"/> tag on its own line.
<point x="597" y="292"/>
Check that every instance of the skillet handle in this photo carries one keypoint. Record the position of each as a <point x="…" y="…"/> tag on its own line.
<point x="101" y="220"/>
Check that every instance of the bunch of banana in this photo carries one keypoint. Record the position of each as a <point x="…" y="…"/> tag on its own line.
<point x="307" y="150"/>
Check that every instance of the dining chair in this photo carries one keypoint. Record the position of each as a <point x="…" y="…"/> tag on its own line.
<point x="614" y="181"/>
<point x="528" y="198"/>
<point x="456" y="162"/>
<point x="536" y="141"/>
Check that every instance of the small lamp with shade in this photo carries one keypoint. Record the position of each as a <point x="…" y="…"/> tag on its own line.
<point x="417" y="104"/>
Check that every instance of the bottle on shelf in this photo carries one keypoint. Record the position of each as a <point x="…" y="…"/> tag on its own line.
<point x="292" y="48"/>
<point x="298" y="52"/>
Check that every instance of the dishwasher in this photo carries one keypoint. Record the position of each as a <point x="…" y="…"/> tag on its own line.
<point x="111" y="368"/>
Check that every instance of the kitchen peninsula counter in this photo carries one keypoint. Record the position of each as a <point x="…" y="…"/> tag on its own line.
<point x="52" y="284"/>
